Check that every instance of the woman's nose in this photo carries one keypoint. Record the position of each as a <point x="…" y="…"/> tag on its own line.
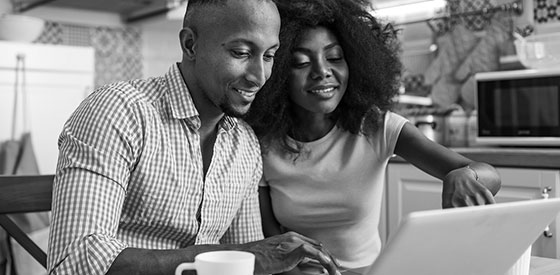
<point x="320" y="71"/>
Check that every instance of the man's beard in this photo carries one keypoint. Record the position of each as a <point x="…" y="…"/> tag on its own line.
<point x="230" y="111"/>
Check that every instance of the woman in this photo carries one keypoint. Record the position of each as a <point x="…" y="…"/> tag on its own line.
<point x="327" y="133"/>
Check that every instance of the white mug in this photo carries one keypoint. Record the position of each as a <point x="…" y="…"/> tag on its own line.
<point x="220" y="262"/>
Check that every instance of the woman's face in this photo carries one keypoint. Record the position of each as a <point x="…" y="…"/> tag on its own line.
<point x="319" y="73"/>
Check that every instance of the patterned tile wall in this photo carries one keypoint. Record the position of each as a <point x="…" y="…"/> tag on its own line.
<point x="118" y="54"/>
<point x="466" y="13"/>
<point x="472" y="19"/>
<point x="546" y="11"/>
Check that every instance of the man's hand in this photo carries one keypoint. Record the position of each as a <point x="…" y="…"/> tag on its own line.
<point x="283" y="252"/>
<point x="462" y="188"/>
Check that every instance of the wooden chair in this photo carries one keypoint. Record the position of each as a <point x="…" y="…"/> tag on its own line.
<point x="22" y="194"/>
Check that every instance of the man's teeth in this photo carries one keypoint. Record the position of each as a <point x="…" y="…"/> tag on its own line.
<point x="244" y="93"/>
<point x="322" y="91"/>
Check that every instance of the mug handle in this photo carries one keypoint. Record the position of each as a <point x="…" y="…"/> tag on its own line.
<point x="184" y="266"/>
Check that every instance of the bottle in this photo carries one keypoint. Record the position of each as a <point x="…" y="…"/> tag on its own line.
<point x="456" y="129"/>
<point x="472" y="128"/>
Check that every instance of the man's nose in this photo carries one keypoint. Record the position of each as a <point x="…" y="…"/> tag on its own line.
<point x="256" y="73"/>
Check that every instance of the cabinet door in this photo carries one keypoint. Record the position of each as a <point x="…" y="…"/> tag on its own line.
<point x="410" y="189"/>
<point x="529" y="184"/>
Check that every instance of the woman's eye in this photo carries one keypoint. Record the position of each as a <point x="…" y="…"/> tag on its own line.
<point x="335" y="58"/>
<point x="299" y="60"/>
<point x="299" y="64"/>
<point x="335" y="55"/>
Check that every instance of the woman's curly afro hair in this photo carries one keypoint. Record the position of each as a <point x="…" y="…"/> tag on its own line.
<point x="371" y="52"/>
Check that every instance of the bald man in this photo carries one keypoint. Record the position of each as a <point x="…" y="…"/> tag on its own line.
<point x="153" y="172"/>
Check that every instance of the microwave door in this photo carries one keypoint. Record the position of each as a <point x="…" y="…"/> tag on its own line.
<point x="514" y="110"/>
<point x="525" y="108"/>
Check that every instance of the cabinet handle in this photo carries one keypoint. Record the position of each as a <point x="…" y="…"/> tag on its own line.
<point x="547" y="232"/>
<point x="544" y="194"/>
<point x="545" y="191"/>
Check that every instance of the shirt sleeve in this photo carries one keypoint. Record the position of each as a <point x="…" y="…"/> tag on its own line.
<point x="247" y="226"/>
<point x="263" y="182"/>
<point x="95" y="157"/>
<point x="391" y="130"/>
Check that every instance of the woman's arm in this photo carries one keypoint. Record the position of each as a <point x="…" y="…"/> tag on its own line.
<point x="270" y="225"/>
<point x="465" y="182"/>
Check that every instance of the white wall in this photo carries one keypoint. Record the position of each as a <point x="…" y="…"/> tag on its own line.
<point x="5" y="6"/>
<point x="160" y="36"/>
<point x="76" y="16"/>
<point x="58" y="78"/>
<point x="160" y="45"/>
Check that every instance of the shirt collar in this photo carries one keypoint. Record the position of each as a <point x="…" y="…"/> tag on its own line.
<point x="181" y="103"/>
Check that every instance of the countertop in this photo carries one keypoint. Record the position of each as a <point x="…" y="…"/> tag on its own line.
<point x="544" y="266"/>
<point x="538" y="266"/>
<point x="510" y="156"/>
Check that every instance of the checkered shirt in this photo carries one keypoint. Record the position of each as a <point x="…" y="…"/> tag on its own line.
<point x="130" y="175"/>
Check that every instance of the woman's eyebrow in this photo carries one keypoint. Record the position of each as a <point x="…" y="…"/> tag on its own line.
<point x="306" y="50"/>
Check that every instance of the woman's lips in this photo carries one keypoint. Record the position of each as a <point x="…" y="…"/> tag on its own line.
<point x="323" y="92"/>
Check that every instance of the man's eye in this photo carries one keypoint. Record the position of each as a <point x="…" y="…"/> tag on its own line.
<point x="268" y="57"/>
<point x="238" y="53"/>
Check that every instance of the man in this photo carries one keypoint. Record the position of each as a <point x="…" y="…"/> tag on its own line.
<point x="153" y="172"/>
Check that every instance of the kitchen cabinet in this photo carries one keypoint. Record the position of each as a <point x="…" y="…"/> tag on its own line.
<point x="57" y="78"/>
<point x="410" y="189"/>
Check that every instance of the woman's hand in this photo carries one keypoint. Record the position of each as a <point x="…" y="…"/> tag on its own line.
<point x="462" y="187"/>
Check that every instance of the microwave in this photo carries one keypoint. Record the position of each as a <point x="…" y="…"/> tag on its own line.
<point x="518" y="108"/>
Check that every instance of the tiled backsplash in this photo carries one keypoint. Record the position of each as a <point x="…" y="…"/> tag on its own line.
<point x="542" y="15"/>
<point x="546" y="11"/>
<point x="118" y="54"/>
<point x="118" y="50"/>
<point x="475" y="22"/>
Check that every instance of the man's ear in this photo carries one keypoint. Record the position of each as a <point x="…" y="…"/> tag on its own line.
<point x="188" y="37"/>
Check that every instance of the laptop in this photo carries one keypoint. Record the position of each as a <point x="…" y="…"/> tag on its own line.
<point x="480" y="240"/>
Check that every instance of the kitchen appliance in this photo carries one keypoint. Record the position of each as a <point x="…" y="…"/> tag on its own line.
<point x="518" y="108"/>
<point x="431" y="125"/>
<point x="431" y="121"/>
